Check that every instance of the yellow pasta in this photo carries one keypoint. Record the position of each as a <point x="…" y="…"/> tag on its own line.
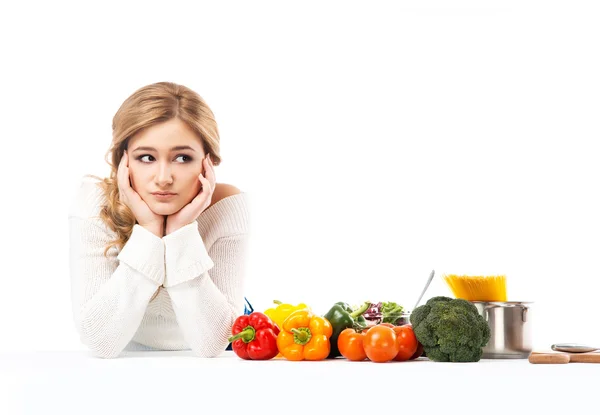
<point x="477" y="288"/>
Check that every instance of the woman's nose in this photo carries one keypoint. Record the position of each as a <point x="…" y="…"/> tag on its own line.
<point x="164" y="175"/>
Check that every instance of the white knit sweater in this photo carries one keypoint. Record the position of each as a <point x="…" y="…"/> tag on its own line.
<point x="198" y="271"/>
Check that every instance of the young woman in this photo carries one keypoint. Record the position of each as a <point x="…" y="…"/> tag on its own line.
<point x="157" y="249"/>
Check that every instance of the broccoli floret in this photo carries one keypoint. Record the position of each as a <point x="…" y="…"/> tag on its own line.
<point x="450" y="330"/>
<point x="465" y="354"/>
<point x="425" y="334"/>
<point x="466" y="305"/>
<point x="419" y="315"/>
<point x="434" y="353"/>
<point x="439" y="299"/>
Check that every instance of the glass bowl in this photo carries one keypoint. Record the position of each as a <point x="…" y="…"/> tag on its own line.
<point x="399" y="319"/>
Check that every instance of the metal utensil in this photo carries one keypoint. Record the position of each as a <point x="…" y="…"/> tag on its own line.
<point x="425" y="289"/>
<point x="573" y="348"/>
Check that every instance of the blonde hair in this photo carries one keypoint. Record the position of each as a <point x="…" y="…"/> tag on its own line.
<point x="148" y="106"/>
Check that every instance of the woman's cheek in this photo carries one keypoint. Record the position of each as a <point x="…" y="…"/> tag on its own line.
<point x="192" y="192"/>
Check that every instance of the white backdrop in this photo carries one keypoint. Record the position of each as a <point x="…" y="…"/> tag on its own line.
<point x="377" y="141"/>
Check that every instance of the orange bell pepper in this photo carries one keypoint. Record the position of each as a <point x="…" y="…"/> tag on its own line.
<point x="304" y="336"/>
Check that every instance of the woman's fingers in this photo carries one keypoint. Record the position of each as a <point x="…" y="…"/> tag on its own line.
<point x="123" y="177"/>
<point x="130" y="198"/>
<point x="121" y="173"/>
<point x="209" y="172"/>
<point x="205" y="191"/>
<point x="126" y="193"/>
<point x="205" y="183"/>
<point x="202" y="199"/>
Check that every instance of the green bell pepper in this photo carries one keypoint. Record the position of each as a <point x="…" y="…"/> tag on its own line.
<point x="342" y="317"/>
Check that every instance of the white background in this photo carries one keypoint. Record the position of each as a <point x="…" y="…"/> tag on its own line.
<point x="377" y="140"/>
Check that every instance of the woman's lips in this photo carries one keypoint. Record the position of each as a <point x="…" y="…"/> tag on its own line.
<point x="160" y="196"/>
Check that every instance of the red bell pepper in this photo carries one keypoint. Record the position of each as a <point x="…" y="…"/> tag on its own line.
<point x="254" y="337"/>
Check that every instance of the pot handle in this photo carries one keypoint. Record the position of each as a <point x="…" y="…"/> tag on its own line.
<point x="523" y="312"/>
<point x="486" y="314"/>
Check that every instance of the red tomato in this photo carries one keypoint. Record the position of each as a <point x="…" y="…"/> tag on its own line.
<point x="380" y="344"/>
<point x="418" y="353"/>
<point x="407" y="342"/>
<point x="350" y="344"/>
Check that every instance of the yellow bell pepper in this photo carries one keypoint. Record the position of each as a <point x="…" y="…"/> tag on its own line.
<point x="304" y="336"/>
<point x="282" y="311"/>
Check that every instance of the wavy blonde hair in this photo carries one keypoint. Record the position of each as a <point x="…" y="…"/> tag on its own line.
<point x="148" y="106"/>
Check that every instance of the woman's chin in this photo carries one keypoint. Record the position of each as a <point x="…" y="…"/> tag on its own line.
<point x="164" y="209"/>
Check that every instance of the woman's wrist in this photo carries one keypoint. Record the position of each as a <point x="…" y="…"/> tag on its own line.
<point x="155" y="229"/>
<point x="171" y="228"/>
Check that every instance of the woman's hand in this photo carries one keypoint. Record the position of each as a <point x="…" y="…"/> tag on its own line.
<point x="143" y="215"/>
<point x="190" y="212"/>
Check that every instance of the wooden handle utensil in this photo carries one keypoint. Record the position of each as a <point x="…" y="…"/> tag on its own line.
<point x="557" y="358"/>
<point x="548" y="358"/>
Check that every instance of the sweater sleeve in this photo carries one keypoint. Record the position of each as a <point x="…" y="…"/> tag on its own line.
<point x="110" y="294"/>
<point x="206" y="288"/>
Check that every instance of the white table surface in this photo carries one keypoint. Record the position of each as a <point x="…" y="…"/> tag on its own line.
<point x="179" y="383"/>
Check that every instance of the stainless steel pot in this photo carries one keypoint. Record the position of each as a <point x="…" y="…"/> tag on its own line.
<point x="510" y="326"/>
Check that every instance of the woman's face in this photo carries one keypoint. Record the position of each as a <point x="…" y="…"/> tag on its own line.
<point x="166" y="157"/>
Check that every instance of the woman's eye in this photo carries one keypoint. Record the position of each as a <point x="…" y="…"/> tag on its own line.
<point x="188" y="158"/>
<point x="141" y="158"/>
<point x="182" y="158"/>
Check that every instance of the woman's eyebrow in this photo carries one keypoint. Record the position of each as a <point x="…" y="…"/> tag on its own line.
<point x="176" y="148"/>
